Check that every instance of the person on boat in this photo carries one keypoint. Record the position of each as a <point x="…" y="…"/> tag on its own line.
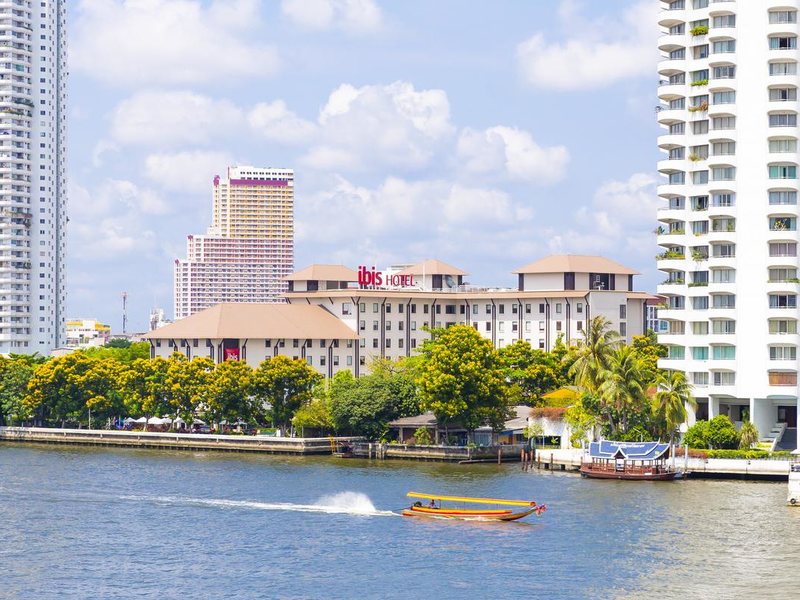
<point x="432" y="503"/>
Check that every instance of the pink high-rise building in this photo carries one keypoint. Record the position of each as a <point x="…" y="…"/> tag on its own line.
<point x="248" y="249"/>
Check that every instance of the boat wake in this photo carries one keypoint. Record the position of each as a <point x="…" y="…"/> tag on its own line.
<point x="343" y="503"/>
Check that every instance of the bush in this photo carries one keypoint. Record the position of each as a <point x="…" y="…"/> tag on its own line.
<point x="748" y="436"/>
<point x="422" y="437"/>
<point x="722" y="434"/>
<point x="697" y="435"/>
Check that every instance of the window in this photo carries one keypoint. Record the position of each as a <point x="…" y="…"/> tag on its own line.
<point x="724" y="21"/>
<point x="579" y="307"/>
<point x="723" y="173"/>
<point x="388" y="325"/>
<point x="678" y="54"/>
<point x="376" y="325"/>
<point x="700" y="353"/>
<point x="375" y="307"/>
<point x="782" y="274"/>
<point x="782" y="94"/>
<point x="724" y="72"/>
<point x="413" y="325"/>
<point x="782" y="224"/>
<point x="724" y="301"/>
<point x="700" y="379"/>
<point x="450" y="309"/>
<point x="722" y="200"/>
<point x="541" y="308"/>
<point x="514" y="309"/>
<point x="782" y="172"/>
<point x="783" y="145"/>
<point x="488" y="326"/>
<point x="725" y="327"/>
<point x="724" y="378"/>
<point x="579" y="325"/>
<point x="388" y="308"/>
<point x="781" y="326"/>
<point x="783" y="68"/>
<point x="362" y="325"/>
<point x="698" y="328"/>
<point x="723" y="148"/>
<point x="723" y="275"/>
<point x="783" y="301"/>
<point x="783" y="120"/>
<point x="375" y="343"/>
<point x="558" y="308"/>
<point x="623" y="329"/>
<point x="488" y="309"/>
<point x="723" y="250"/>
<point x="623" y="311"/>
<point x="677" y="128"/>
<point x="723" y="352"/>
<point x="321" y="361"/>
<point x="438" y="309"/>
<point x="783" y="43"/>
<point x="502" y="308"/>
<point x="698" y="52"/>
<point x="720" y="123"/>
<point x="787" y="197"/>
<point x="728" y="97"/>
<point x="346" y="308"/>
<point x="700" y="127"/>
<point x="783" y="16"/>
<point x="474" y="309"/>
<point x="783" y="249"/>
<point x="723" y="47"/>
<point x="783" y="353"/>
<point x="388" y="343"/>
<point x="400" y="326"/>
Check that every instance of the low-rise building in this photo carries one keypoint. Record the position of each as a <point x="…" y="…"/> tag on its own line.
<point x="87" y="332"/>
<point x="340" y="318"/>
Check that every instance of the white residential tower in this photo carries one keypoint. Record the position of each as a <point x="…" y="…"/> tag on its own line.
<point x="728" y="224"/>
<point x="32" y="174"/>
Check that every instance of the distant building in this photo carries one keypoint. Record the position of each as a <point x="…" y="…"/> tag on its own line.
<point x="33" y="175"/>
<point x="87" y="332"/>
<point x="340" y="318"/>
<point x="157" y="319"/>
<point x="249" y="248"/>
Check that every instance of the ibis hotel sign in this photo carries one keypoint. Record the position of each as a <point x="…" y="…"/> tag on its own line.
<point x="373" y="278"/>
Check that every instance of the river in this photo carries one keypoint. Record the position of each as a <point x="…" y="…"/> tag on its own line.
<point x="89" y="523"/>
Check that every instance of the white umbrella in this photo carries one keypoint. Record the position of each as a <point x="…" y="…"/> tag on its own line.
<point x="155" y="421"/>
<point x="129" y="420"/>
<point x="140" y="420"/>
<point x="178" y="421"/>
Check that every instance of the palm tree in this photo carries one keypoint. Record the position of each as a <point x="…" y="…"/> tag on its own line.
<point x="623" y="386"/>
<point x="592" y="354"/>
<point x="674" y="393"/>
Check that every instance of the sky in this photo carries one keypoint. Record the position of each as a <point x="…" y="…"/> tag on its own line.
<point x="486" y="135"/>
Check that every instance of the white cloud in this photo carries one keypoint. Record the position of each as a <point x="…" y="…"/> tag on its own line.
<point x="380" y="124"/>
<point x="619" y="221"/>
<point x="131" y="43"/>
<point x="592" y="55"/>
<point x="512" y="152"/>
<point x="169" y="118"/>
<point x="188" y="172"/>
<point x="407" y="212"/>
<point x="354" y="16"/>
<point x="275" y="122"/>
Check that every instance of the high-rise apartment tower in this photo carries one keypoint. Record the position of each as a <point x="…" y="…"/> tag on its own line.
<point x="32" y="174"/>
<point x="249" y="248"/>
<point x="728" y="224"/>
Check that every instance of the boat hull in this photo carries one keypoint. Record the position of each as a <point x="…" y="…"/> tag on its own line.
<point x="628" y="475"/>
<point x="466" y="515"/>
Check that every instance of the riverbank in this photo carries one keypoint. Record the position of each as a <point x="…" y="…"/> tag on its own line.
<point x="717" y="468"/>
<point x="174" y="441"/>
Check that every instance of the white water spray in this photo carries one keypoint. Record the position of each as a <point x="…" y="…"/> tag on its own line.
<point x="347" y="503"/>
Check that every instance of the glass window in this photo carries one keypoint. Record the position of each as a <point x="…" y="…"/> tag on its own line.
<point x="723" y="275"/>
<point x="726" y="199"/>
<point x="723" y="148"/>
<point x="724" y="301"/>
<point x="700" y="353"/>
<point x="724" y="352"/>
<point x="783" y="43"/>
<point x="783" y="16"/>
<point x="783" y="353"/>
<point x="783" y="145"/>
<point x="724" y="21"/>
<point x="723" y="123"/>
<point x="724" y="72"/>
<point x="783" y="120"/>
<point x="783" y="68"/>
<point x="725" y="326"/>
<point x="783" y="301"/>
<point x="782" y="94"/>
<point x="782" y="172"/>
<point x="723" y="173"/>
<point x="781" y="326"/>
<point x="728" y="97"/>
<point x="783" y="197"/>
<point x="724" y="46"/>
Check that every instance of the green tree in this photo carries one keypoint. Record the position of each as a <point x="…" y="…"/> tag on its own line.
<point x="365" y="406"/>
<point x="315" y="414"/>
<point x="669" y="403"/>
<point x="126" y="354"/>
<point x="229" y="394"/>
<point x="697" y="435"/>
<point x="622" y="387"/>
<point x="582" y="421"/>
<point x="748" y="436"/>
<point x="648" y="350"/>
<point x="145" y="388"/>
<point x="722" y="434"/>
<point x="530" y="373"/>
<point x="15" y="373"/>
<point x="187" y="384"/>
<point x="592" y="354"/>
<point x="285" y="384"/>
<point x="118" y="343"/>
<point x="461" y="380"/>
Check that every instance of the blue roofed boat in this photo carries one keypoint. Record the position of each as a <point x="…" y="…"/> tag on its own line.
<point x="628" y="460"/>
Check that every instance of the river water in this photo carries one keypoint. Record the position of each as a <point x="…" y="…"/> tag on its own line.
<point x="89" y="523"/>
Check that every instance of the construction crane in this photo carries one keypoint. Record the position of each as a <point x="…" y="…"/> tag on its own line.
<point x="124" y="313"/>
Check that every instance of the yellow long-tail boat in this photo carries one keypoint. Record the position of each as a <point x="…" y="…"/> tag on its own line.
<point x="454" y="508"/>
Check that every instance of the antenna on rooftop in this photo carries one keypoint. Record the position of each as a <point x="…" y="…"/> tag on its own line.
<point x="124" y="312"/>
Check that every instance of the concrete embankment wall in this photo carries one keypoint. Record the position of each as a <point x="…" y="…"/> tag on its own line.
<point x="171" y="441"/>
<point x="721" y="468"/>
<point x="505" y="453"/>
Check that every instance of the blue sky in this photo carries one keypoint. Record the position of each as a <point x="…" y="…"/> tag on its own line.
<point x="484" y="134"/>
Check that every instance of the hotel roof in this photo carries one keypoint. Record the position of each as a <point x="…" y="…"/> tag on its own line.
<point x="257" y="321"/>
<point x="324" y="273"/>
<point x="432" y="267"/>
<point x="574" y="263"/>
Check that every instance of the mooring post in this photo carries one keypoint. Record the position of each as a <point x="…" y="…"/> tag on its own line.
<point x="499" y="455"/>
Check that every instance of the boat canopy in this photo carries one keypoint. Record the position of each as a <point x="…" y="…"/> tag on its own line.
<point x="628" y="450"/>
<point x="471" y="500"/>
